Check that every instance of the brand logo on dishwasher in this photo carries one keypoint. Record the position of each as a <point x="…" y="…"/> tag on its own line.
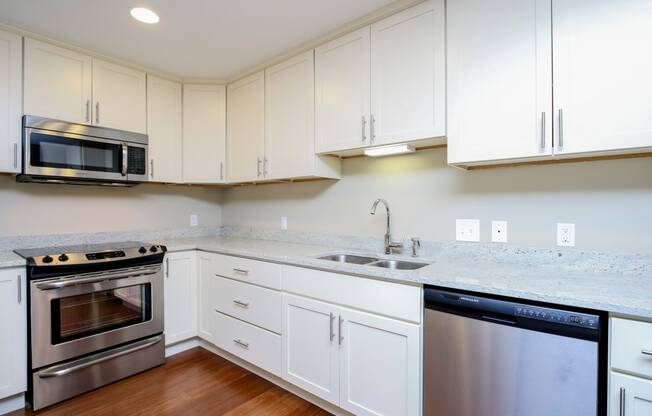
<point x="473" y="300"/>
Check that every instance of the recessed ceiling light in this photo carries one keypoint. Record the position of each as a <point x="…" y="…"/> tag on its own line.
<point x="396" y="149"/>
<point x="144" y="15"/>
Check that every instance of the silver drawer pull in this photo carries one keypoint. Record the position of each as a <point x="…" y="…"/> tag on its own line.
<point x="646" y="352"/>
<point x="622" y="402"/>
<point x="241" y="271"/>
<point x="241" y="343"/>
<point x="332" y="333"/>
<point x="240" y="303"/>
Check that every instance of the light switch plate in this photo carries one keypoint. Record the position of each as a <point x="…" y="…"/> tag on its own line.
<point x="566" y="235"/>
<point x="284" y="223"/>
<point x="194" y="220"/>
<point x="467" y="230"/>
<point x="499" y="231"/>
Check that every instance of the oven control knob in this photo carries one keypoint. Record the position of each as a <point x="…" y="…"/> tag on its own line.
<point x="142" y="250"/>
<point x="63" y="257"/>
<point x="153" y="249"/>
<point x="47" y="259"/>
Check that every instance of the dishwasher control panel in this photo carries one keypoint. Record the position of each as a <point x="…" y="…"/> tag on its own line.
<point x="556" y="316"/>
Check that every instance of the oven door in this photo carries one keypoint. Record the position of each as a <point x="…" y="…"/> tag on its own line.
<point x="81" y="314"/>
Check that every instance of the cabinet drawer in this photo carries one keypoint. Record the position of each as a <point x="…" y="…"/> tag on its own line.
<point x="631" y="346"/>
<point x="253" y="304"/>
<point x="257" y="346"/>
<point x="250" y="271"/>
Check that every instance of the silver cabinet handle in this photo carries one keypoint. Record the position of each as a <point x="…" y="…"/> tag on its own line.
<point x="151" y="168"/>
<point x="97" y="112"/>
<point x="258" y="162"/>
<point x="265" y="166"/>
<point x="88" y="111"/>
<point x="364" y="128"/>
<point x="15" y="155"/>
<point x="240" y="303"/>
<point x="20" y="288"/>
<point x="560" y="140"/>
<point x="241" y="343"/>
<point x="241" y="271"/>
<point x="373" y="128"/>
<point x="542" y="144"/>
<point x="221" y="171"/>
<point x="167" y="267"/>
<point x="339" y="330"/>
<point x="331" y="332"/>
<point x="646" y="352"/>
<point x="622" y="402"/>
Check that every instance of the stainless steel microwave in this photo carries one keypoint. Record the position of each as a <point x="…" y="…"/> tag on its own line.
<point x="56" y="151"/>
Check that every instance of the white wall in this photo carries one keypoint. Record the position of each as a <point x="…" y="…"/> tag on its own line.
<point x="35" y="209"/>
<point x="609" y="201"/>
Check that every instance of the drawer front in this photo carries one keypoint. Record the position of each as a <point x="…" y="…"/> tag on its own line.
<point x="249" y="271"/>
<point x="631" y="346"/>
<point x="255" y="345"/>
<point x="254" y="304"/>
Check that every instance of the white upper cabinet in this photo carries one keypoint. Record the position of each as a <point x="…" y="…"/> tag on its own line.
<point x="602" y="67"/>
<point x="204" y="133"/>
<point x="13" y="324"/>
<point x="408" y="80"/>
<point x="342" y="92"/>
<point x="246" y="128"/>
<point x="499" y="80"/>
<point x="11" y="102"/>
<point x="57" y="83"/>
<point x="164" y="114"/>
<point x="119" y="97"/>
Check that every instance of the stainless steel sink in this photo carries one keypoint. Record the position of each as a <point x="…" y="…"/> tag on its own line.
<point x="349" y="258"/>
<point x="398" y="264"/>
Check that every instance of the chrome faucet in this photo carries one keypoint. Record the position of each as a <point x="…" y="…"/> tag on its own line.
<point x="389" y="245"/>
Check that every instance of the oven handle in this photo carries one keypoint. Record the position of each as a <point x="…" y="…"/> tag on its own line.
<point x="62" y="370"/>
<point x="95" y="279"/>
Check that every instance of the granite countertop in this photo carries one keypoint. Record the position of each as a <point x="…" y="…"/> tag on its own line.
<point x="627" y="291"/>
<point x="10" y="259"/>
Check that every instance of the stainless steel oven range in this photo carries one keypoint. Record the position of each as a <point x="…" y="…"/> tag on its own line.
<point x="95" y="316"/>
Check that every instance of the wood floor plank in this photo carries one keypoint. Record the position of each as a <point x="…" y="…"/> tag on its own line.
<point x="194" y="382"/>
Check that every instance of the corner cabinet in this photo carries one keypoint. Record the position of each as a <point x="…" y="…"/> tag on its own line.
<point x="11" y="102"/>
<point x="204" y="134"/>
<point x="180" y="274"/>
<point x="13" y="325"/>
<point x="164" y="114"/>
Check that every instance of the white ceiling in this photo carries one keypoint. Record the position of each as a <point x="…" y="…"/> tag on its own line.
<point x="213" y="39"/>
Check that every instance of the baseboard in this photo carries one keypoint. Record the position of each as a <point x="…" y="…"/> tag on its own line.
<point x="11" y="403"/>
<point x="181" y="346"/>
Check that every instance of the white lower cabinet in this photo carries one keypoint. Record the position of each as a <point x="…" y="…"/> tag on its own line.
<point x="207" y="295"/>
<point x="13" y="326"/>
<point x="630" y="396"/>
<point x="180" y="296"/>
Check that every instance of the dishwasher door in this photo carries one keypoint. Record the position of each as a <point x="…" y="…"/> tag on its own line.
<point x="475" y="367"/>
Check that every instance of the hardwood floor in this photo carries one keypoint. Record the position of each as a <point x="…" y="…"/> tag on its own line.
<point x="194" y="382"/>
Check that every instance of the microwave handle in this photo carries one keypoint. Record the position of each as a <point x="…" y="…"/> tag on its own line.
<point x="125" y="158"/>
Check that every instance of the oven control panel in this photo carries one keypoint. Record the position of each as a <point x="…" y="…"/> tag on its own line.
<point x="71" y="258"/>
<point x="105" y="255"/>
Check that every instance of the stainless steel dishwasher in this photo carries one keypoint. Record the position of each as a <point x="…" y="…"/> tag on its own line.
<point x="494" y="356"/>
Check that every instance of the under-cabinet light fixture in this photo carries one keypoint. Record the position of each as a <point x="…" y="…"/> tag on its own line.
<point x="394" y="149"/>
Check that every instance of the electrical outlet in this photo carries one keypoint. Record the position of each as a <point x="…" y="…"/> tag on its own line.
<point x="194" y="220"/>
<point x="467" y="230"/>
<point x="499" y="231"/>
<point x="566" y="235"/>
<point x="284" y="223"/>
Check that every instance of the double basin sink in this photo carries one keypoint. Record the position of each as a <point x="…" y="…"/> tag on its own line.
<point x="373" y="261"/>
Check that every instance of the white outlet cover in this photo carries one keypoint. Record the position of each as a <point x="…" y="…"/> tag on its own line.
<point x="194" y="220"/>
<point x="566" y="235"/>
<point x="499" y="231"/>
<point x="467" y="230"/>
<point x="284" y="223"/>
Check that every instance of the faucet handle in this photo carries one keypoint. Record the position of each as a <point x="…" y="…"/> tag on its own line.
<point x="416" y="244"/>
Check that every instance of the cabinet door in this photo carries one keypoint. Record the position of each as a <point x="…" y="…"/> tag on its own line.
<point x="57" y="83"/>
<point x="631" y="394"/>
<point x="379" y="365"/>
<point x="310" y="350"/>
<point x="206" y="293"/>
<point x="499" y="80"/>
<point x="119" y="96"/>
<point x="408" y="80"/>
<point x="245" y="126"/>
<point x="290" y="118"/>
<point x="602" y="68"/>
<point x="204" y="133"/>
<point x="342" y="92"/>
<point x="11" y="102"/>
<point x="180" y="297"/>
<point x="13" y="325"/>
<point x="164" y="130"/>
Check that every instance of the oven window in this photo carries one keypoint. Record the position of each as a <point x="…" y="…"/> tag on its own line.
<point x="65" y="153"/>
<point x="93" y="313"/>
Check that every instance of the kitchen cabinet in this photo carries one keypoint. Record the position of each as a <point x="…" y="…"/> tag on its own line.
<point x="499" y="89"/>
<point x="343" y="92"/>
<point x="408" y="79"/>
<point x="180" y="297"/>
<point x="11" y="102"/>
<point x="630" y="396"/>
<point x="204" y="133"/>
<point x="246" y="128"/>
<point x="164" y="114"/>
<point x="13" y="324"/>
<point x="290" y="122"/>
<point x="207" y="294"/>
<point x="119" y="97"/>
<point x="602" y="76"/>
<point x="58" y="82"/>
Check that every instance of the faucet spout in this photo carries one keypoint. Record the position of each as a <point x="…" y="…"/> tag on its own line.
<point x="389" y="245"/>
